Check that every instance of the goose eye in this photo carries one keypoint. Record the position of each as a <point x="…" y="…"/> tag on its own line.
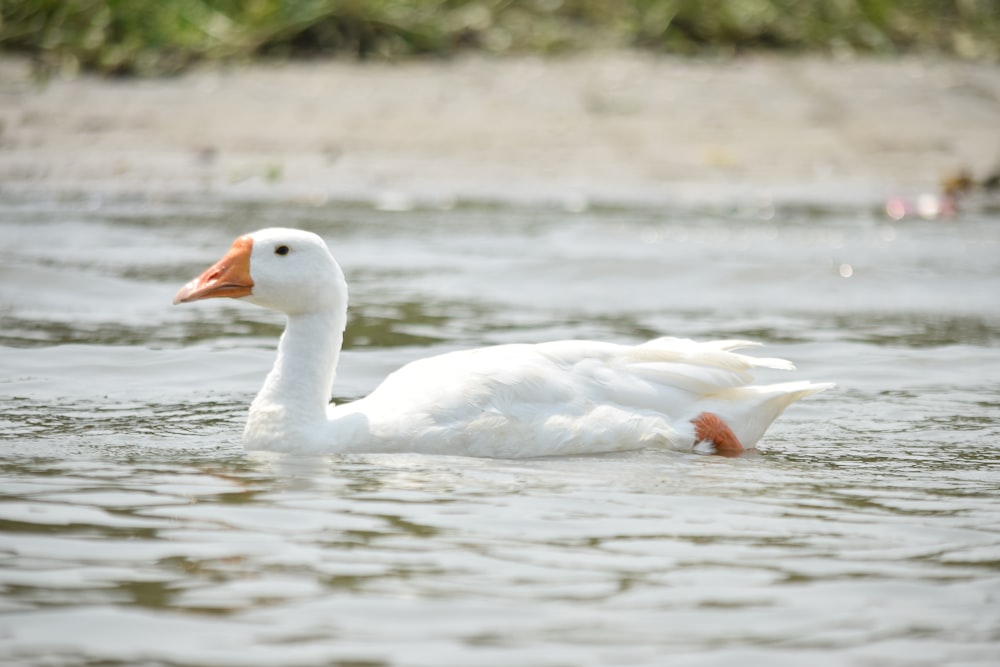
<point x="281" y="250"/>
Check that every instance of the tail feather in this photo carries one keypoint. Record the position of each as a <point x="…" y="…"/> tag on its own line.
<point x="750" y="410"/>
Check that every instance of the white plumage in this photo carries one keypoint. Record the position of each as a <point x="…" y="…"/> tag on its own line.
<point x="556" y="398"/>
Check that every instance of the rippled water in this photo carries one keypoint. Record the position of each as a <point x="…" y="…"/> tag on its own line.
<point x="135" y="531"/>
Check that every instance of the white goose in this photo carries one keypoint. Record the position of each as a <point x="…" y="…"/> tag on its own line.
<point x="508" y="401"/>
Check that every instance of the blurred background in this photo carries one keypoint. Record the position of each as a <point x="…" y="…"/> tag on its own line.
<point x="124" y="37"/>
<point x="885" y="103"/>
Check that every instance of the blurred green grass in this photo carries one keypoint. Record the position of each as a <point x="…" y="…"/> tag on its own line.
<point x="155" y="37"/>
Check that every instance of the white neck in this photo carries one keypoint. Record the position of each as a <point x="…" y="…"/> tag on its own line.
<point x="296" y="393"/>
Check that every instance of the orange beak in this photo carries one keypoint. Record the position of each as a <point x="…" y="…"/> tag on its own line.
<point x="230" y="276"/>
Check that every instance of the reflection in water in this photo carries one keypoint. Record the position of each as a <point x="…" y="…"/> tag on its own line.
<point x="134" y="530"/>
<point x="24" y="418"/>
<point x="426" y="323"/>
<point x="918" y="329"/>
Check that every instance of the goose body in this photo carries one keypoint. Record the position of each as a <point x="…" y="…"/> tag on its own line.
<point x="509" y="401"/>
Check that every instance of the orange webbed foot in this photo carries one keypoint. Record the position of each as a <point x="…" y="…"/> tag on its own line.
<point x="709" y="427"/>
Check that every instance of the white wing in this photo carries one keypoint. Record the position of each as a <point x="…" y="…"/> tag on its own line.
<point x="569" y="397"/>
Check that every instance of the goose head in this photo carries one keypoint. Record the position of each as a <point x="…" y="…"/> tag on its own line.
<point x="287" y="270"/>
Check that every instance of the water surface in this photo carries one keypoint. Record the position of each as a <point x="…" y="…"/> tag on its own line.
<point x="135" y="531"/>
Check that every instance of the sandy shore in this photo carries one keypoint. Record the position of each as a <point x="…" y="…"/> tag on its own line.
<point x="613" y="127"/>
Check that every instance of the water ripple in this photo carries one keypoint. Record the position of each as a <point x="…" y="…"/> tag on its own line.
<point x="134" y="530"/>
